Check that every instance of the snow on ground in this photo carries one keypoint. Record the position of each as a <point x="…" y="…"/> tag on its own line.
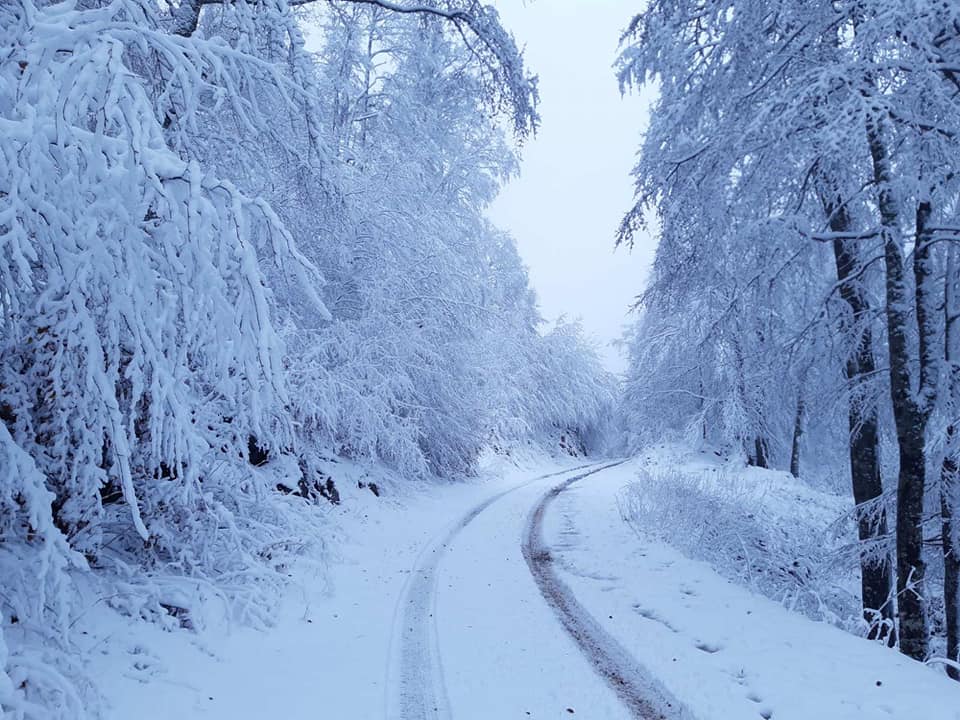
<point x="427" y="609"/>
<point x="330" y="651"/>
<point x="726" y="652"/>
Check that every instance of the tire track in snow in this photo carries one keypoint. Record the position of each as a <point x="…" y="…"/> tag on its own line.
<point x="637" y="689"/>
<point x="419" y="691"/>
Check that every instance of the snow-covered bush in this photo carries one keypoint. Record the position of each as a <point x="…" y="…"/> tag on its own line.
<point x="36" y="599"/>
<point x="761" y="529"/>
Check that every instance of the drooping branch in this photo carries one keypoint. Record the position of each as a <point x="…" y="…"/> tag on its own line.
<point x="509" y="87"/>
<point x="187" y="14"/>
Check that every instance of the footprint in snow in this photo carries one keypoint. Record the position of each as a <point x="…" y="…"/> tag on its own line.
<point x="652" y="615"/>
<point x="766" y="713"/>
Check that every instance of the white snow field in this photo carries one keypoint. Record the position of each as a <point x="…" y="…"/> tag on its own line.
<point x="508" y="598"/>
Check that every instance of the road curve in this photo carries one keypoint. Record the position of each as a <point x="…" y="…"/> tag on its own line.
<point x="415" y="687"/>
<point x="643" y="696"/>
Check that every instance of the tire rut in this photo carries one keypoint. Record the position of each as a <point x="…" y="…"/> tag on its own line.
<point x="419" y="691"/>
<point x="638" y="690"/>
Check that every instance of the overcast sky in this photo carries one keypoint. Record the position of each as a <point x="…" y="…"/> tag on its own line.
<point x="575" y="185"/>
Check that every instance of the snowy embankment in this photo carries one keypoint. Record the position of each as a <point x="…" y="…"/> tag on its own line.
<point x="725" y="651"/>
<point x="763" y="529"/>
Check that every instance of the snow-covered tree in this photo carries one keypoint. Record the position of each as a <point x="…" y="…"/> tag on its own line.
<point x="786" y="125"/>
<point x="217" y="248"/>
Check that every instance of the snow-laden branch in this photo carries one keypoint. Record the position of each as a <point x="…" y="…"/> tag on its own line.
<point x="187" y="15"/>
<point x="509" y="85"/>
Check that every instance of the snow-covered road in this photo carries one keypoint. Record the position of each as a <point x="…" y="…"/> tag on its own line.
<point x="521" y="596"/>
<point x="636" y="687"/>
<point x="474" y="633"/>
<point x="415" y="683"/>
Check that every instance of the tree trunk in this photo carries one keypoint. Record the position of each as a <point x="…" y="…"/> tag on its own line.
<point x="949" y="470"/>
<point x="798" y="421"/>
<point x="927" y="305"/>
<point x="875" y="575"/>
<point x="761" y="459"/>
<point x="949" y="482"/>
<point x="744" y="439"/>
<point x="908" y="416"/>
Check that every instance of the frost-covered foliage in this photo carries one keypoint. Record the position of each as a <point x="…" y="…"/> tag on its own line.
<point x="801" y="163"/>
<point x="734" y="357"/>
<point x="573" y="394"/>
<point x="136" y="314"/>
<point x="760" y="128"/>
<point x="218" y="248"/>
<point x="762" y="529"/>
<point x="429" y="302"/>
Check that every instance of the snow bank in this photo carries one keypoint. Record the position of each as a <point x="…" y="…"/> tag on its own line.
<point x="761" y="528"/>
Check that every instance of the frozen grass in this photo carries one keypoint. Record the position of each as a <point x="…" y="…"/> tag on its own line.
<point x="761" y="529"/>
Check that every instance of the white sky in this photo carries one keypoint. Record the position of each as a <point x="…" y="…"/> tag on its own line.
<point x="574" y="186"/>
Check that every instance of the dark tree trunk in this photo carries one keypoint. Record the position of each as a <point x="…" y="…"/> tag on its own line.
<point x="875" y="575"/>
<point x="949" y="482"/>
<point x="949" y="470"/>
<point x="761" y="454"/>
<point x="908" y="416"/>
<point x="927" y="304"/>
<point x="798" y="421"/>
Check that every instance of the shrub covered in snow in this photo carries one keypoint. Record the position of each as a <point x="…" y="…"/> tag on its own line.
<point x="762" y="529"/>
